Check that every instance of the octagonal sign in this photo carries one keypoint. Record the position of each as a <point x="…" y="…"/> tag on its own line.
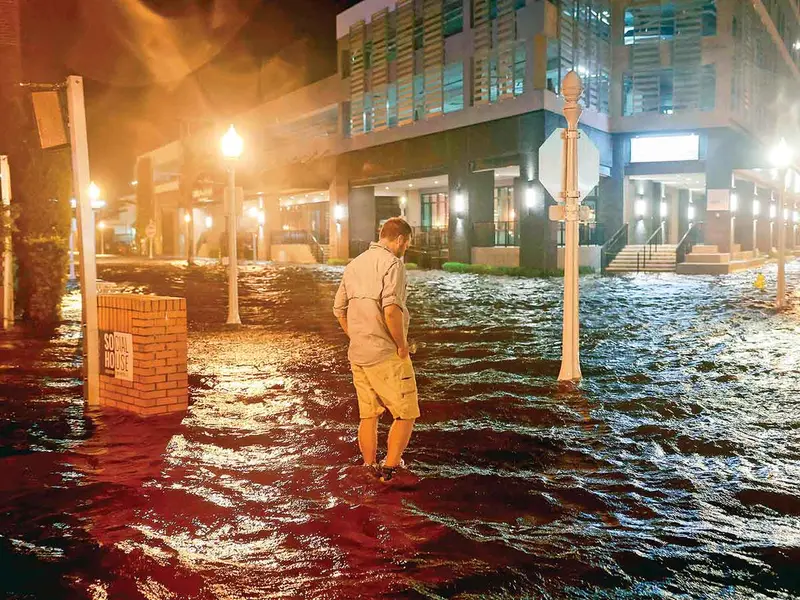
<point x="551" y="164"/>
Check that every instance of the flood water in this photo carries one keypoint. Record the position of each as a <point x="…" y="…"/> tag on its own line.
<point x="672" y="472"/>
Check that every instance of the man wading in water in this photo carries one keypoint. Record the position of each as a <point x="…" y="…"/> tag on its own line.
<point x="371" y="308"/>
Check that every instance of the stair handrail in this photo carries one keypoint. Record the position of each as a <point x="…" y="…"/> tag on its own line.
<point x="609" y="250"/>
<point x="686" y="243"/>
<point x="316" y="248"/>
<point x="656" y="238"/>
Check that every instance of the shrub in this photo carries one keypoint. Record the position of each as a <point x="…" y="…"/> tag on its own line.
<point x="43" y="280"/>
<point x="412" y="266"/>
<point x="456" y="267"/>
<point x="338" y="262"/>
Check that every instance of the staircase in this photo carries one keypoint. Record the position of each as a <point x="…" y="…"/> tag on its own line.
<point x="326" y="253"/>
<point x="641" y="258"/>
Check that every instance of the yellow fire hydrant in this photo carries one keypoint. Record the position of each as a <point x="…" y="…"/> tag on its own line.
<point x="760" y="281"/>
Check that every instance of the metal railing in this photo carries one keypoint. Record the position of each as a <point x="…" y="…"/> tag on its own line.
<point x="430" y="238"/>
<point x="589" y="234"/>
<point x="300" y="237"/>
<point x="613" y="247"/>
<point x="689" y="239"/>
<point x="650" y="246"/>
<point x="489" y="234"/>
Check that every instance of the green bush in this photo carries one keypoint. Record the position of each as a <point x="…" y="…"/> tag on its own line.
<point x="412" y="266"/>
<point x="43" y="280"/>
<point x="338" y="262"/>
<point x="456" y="267"/>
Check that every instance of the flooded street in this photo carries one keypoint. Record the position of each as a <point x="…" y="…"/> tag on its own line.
<point x="673" y="472"/>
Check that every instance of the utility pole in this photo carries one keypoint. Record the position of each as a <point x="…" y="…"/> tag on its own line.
<point x="570" y="352"/>
<point x="88" y="267"/>
<point x="8" y="264"/>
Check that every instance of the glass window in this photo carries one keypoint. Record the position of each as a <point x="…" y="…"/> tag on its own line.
<point x="368" y="55"/>
<point x="666" y="92"/>
<point x="505" y="217"/>
<point x="708" y="88"/>
<point x="367" y="112"/>
<point x="627" y="95"/>
<point x="710" y="18"/>
<point x="494" y="80"/>
<point x="391" y="104"/>
<point x="435" y="211"/>
<point x="345" y="63"/>
<point x="419" y="97"/>
<point x="519" y="70"/>
<point x="453" y="87"/>
<point x="453" y="17"/>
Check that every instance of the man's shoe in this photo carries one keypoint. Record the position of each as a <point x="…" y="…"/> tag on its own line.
<point x="387" y="473"/>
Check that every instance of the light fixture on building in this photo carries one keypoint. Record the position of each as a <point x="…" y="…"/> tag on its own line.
<point x="530" y="197"/>
<point x="756" y="207"/>
<point x="209" y="222"/>
<point x="101" y="225"/>
<point x="73" y="203"/>
<point x="734" y="201"/>
<point x="785" y="214"/>
<point x="403" y="201"/>
<point x="773" y="211"/>
<point x="663" y="209"/>
<point x="94" y="196"/>
<point x="187" y="218"/>
<point x="262" y="218"/>
<point x="338" y="213"/>
<point x="460" y="205"/>
<point x="512" y="215"/>
<point x="640" y="208"/>
<point x="134" y="183"/>
<point x="253" y="212"/>
<point x="691" y="212"/>
<point x="796" y="45"/>
<point x="436" y="182"/>
<point x="410" y="185"/>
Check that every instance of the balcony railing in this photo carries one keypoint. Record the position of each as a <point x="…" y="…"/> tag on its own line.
<point x="496" y="233"/>
<point x="589" y="234"/>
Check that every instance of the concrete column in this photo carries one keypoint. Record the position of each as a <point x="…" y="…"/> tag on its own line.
<point x="537" y="244"/>
<point x="413" y="208"/>
<point x="763" y="224"/>
<point x="272" y="224"/>
<point x="362" y="216"/>
<point x="674" y="233"/>
<point x="743" y="224"/>
<point x="683" y="211"/>
<point x="339" y="194"/>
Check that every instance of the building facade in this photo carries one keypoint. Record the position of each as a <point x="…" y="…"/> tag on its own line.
<point x="439" y="108"/>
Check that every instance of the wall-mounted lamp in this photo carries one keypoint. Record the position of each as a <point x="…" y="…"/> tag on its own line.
<point x="691" y="212"/>
<point x="187" y="218"/>
<point x="338" y="213"/>
<point x="773" y="211"/>
<point x="460" y="205"/>
<point x="734" y="201"/>
<point x="756" y="207"/>
<point x="796" y="216"/>
<point x="209" y="222"/>
<point x="785" y="214"/>
<point x="664" y="209"/>
<point x="640" y="208"/>
<point x="530" y="197"/>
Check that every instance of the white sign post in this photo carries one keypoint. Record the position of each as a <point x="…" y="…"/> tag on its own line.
<point x="8" y="267"/>
<point x="570" y="181"/>
<point x="88" y="267"/>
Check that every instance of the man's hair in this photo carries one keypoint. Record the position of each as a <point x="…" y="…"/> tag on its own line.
<point x="395" y="227"/>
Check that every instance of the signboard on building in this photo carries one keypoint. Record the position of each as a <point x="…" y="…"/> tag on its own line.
<point x="718" y="200"/>
<point x="665" y="148"/>
<point x="116" y="355"/>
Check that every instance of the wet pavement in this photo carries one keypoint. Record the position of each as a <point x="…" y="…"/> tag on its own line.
<point x="671" y="473"/>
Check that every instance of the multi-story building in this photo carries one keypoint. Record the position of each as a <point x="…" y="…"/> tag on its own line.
<point x="439" y="108"/>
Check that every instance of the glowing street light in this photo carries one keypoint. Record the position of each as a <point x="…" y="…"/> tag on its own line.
<point x="781" y="158"/>
<point x="94" y="196"/>
<point x="232" y="146"/>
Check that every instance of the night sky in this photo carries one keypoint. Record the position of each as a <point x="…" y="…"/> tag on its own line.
<point x="149" y="63"/>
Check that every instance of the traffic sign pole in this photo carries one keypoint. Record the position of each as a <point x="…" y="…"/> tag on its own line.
<point x="88" y="267"/>
<point x="570" y="348"/>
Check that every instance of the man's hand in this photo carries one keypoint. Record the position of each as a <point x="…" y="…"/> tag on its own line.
<point x="394" y="322"/>
<point x="343" y="323"/>
<point x="402" y="352"/>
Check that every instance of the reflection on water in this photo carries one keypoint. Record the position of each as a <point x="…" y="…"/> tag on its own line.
<point x="673" y="471"/>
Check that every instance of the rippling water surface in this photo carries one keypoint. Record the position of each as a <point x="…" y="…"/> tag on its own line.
<point x="672" y="472"/>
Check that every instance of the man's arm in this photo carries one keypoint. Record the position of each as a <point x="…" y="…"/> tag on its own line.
<point x="340" y="307"/>
<point x="394" y="321"/>
<point x="393" y="294"/>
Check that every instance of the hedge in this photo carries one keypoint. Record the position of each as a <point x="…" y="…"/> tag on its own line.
<point x="457" y="267"/>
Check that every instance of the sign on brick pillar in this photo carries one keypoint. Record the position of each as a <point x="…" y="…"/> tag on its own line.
<point x="143" y="347"/>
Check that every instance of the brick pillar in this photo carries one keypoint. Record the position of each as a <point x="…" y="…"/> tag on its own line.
<point x="143" y="349"/>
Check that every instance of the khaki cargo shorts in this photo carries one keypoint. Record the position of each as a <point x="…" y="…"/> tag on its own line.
<point x="390" y="384"/>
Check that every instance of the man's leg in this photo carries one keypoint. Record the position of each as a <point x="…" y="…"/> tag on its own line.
<point x="399" y="435"/>
<point x="368" y="440"/>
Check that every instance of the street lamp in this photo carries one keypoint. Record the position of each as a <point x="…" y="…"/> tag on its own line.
<point x="781" y="158"/>
<point x="232" y="146"/>
<point x="94" y="196"/>
<point x="102" y="227"/>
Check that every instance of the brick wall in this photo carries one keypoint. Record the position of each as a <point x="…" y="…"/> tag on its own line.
<point x="158" y="327"/>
